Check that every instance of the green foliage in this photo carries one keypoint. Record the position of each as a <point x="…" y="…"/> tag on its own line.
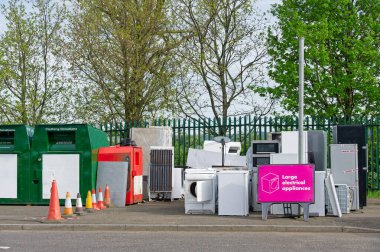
<point x="32" y="74"/>
<point x="121" y="51"/>
<point x="342" y="56"/>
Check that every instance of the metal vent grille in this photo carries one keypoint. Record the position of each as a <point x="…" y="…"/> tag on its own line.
<point x="343" y="193"/>
<point x="161" y="165"/>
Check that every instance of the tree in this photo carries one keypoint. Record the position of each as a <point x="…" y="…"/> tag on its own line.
<point x="342" y="56"/>
<point x="121" y="52"/>
<point x="223" y="58"/>
<point x="32" y="77"/>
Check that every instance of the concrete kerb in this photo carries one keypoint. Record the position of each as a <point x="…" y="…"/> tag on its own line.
<point x="360" y="230"/>
<point x="184" y="228"/>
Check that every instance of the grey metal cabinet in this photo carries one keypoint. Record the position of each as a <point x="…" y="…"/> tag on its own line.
<point x="344" y="168"/>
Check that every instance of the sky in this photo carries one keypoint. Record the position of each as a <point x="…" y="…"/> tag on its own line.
<point x="262" y="4"/>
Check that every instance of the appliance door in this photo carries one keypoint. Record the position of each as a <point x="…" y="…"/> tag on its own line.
<point x="233" y="193"/>
<point x="204" y="190"/>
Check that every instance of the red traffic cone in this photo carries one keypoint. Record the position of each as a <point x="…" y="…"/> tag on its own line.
<point x="54" y="207"/>
<point x="79" y="206"/>
<point x="94" y="203"/>
<point x="100" y="199"/>
<point x="107" y="198"/>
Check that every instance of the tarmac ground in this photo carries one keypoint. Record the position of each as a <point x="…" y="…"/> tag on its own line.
<point x="170" y="216"/>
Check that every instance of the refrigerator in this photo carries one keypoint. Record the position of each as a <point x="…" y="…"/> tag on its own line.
<point x="355" y="134"/>
<point x="344" y="168"/>
<point x="233" y="192"/>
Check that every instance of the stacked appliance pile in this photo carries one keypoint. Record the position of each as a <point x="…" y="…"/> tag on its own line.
<point x="348" y="168"/>
<point x="232" y="190"/>
<point x="216" y="187"/>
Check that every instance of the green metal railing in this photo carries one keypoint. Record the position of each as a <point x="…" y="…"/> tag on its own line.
<point x="191" y="133"/>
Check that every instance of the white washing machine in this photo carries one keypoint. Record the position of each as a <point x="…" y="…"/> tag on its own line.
<point x="200" y="191"/>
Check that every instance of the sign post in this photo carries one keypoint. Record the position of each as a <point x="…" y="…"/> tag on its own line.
<point x="292" y="183"/>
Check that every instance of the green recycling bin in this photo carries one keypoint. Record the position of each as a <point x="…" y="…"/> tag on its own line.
<point x="15" y="141"/>
<point x="68" y="154"/>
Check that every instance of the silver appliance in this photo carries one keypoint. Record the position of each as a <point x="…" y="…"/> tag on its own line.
<point x="319" y="206"/>
<point x="343" y="193"/>
<point x="344" y="168"/>
<point x="283" y="158"/>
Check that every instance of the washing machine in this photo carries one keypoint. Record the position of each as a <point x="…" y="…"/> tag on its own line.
<point x="200" y="191"/>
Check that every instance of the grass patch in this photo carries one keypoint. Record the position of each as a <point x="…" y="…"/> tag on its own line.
<point x="373" y="194"/>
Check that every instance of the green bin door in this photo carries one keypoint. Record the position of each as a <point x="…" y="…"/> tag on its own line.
<point x="8" y="178"/>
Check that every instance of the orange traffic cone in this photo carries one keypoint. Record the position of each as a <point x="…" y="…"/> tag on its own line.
<point x="89" y="202"/>
<point x="100" y="199"/>
<point x="54" y="207"/>
<point x="94" y="204"/>
<point x="79" y="206"/>
<point x="107" y="198"/>
<point x="68" y="211"/>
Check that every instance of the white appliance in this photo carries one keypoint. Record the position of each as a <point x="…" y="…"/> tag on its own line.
<point x="206" y="159"/>
<point x="289" y="143"/>
<point x="318" y="208"/>
<point x="332" y="196"/>
<point x="315" y="143"/>
<point x="233" y="148"/>
<point x="233" y="192"/>
<point x="283" y="158"/>
<point x="177" y="183"/>
<point x="200" y="191"/>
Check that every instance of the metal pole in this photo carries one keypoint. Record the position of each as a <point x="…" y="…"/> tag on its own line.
<point x="301" y="147"/>
<point x="223" y="145"/>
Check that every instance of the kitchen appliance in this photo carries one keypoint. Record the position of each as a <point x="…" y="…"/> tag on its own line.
<point x="233" y="192"/>
<point x="200" y="191"/>
<point x="355" y="134"/>
<point x="344" y="168"/>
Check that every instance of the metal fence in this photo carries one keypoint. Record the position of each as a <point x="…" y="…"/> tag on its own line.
<point x="191" y="133"/>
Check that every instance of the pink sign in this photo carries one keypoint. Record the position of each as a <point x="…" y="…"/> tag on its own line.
<point x="286" y="183"/>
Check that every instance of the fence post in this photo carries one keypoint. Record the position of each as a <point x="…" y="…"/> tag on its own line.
<point x="245" y="134"/>
<point x="184" y="140"/>
<point x="250" y="135"/>
<point x="199" y="132"/>
<point x="377" y="153"/>
<point x="229" y="127"/>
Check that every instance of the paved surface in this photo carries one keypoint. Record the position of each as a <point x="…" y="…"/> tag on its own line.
<point x="169" y="216"/>
<point x="187" y="241"/>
